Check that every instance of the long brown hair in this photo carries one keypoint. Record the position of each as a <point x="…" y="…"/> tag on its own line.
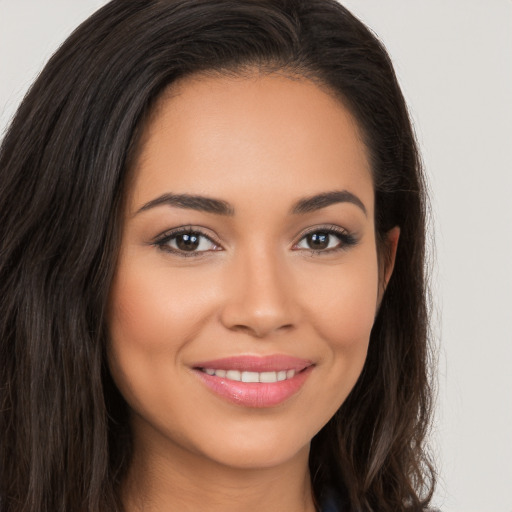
<point x="65" y="439"/>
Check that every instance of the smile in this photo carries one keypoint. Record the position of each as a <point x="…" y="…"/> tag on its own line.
<point x="241" y="376"/>
<point x="254" y="381"/>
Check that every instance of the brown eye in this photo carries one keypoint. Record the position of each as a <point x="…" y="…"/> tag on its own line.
<point x="187" y="241"/>
<point x="326" y="240"/>
<point x="318" y="241"/>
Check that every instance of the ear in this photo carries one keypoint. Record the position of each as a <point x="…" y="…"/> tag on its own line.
<point x="387" y="260"/>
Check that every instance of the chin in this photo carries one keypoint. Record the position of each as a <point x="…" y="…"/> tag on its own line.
<point x="259" y="454"/>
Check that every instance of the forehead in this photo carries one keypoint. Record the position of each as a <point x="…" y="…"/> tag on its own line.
<point x="225" y="135"/>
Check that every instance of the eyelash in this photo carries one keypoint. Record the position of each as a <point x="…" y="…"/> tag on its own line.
<point x="346" y="240"/>
<point x="162" y="242"/>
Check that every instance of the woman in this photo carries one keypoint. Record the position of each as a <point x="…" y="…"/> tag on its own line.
<point x="212" y="268"/>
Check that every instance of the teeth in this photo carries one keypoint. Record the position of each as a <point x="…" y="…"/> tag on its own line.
<point x="250" y="377"/>
<point x="233" y="375"/>
<point x="266" y="377"/>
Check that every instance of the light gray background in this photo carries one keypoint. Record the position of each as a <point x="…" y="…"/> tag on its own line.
<point x="454" y="61"/>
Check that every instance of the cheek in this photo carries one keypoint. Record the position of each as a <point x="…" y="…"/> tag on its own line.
<point x="142" y="326"/>
<point x="345" y="304"/>
<point x="153" y="315"/>
<point x="343" y="315"/>
<point x="137" y="322"/>
<point x="154" y="308"/>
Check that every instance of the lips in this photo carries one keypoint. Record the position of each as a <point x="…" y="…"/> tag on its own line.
<point x="254" y="381"/>
<point x="241" y="376"/>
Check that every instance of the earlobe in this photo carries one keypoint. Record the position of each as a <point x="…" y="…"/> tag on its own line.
<point x="387" y="259"/>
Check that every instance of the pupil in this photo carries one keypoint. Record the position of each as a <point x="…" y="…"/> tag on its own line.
<point x="318" y="240"/>
<point x="187" y="242"/>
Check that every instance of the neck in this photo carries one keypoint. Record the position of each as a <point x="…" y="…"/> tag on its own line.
<point x="172" y="479"/>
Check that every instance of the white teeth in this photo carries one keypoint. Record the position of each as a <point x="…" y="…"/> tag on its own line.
<point x="233" y="375"/>
<point x="266" y="377"/>
<point x="250" y="377"/>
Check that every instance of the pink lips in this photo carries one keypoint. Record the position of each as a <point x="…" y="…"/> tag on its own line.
<point x="255" y="394"/>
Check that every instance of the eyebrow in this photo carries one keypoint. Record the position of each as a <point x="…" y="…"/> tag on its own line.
<point x="191" y="202"/>
<point x="319" y="201"/>
<point x="220" y="207"/>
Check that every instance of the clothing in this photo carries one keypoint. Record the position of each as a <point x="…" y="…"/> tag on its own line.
<point x="330" y="505"/>
<point x="331" y="502"/>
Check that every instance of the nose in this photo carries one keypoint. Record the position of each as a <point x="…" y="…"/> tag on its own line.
<point x="259" y="296"/>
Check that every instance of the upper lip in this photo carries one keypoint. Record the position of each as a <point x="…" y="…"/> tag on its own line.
<point x="272" y="363"/>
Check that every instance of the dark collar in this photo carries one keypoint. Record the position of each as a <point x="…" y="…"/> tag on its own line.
<point x="331" y="502"/>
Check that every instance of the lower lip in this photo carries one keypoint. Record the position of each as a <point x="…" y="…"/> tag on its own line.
<point x="255" y="394"/>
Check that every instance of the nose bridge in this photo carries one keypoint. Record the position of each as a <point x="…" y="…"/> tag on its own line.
<point x="260" y="298"/>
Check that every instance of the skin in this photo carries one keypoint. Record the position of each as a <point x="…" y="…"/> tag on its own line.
<point x="260" y="143"/>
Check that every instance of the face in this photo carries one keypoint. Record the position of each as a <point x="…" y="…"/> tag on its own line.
<point x="248" y="277"/>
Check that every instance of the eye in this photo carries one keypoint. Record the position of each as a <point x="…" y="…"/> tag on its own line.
<point x="326" y="240"/>
<point x="186" y="242"/>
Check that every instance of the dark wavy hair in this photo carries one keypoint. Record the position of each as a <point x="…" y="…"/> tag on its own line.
<point x="65" y="439"/>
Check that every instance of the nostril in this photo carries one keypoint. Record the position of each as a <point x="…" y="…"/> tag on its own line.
<point x="260" y="330"/>
<point x="247" y="309"/>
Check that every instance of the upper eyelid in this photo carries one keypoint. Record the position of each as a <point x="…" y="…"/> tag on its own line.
<point x="163" y="242"/>
<point x="347" y="238"/>
<point x="185" y="229"/>
<point x="331" y="228"/>
<point x="168" y="234"/>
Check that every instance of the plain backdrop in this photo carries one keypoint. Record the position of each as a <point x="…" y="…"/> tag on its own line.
<point x="454" y="61"/>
